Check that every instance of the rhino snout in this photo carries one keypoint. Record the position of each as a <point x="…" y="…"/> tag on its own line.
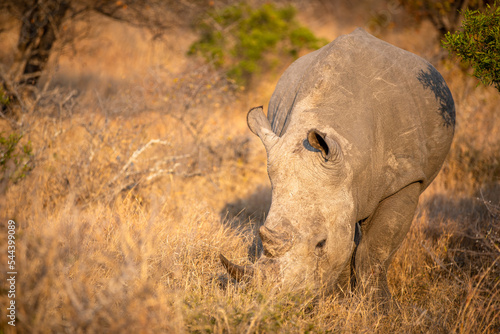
<point x="275" y="243"/>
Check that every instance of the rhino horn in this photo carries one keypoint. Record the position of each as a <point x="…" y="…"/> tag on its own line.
<point x="275" y="243"/>
<point x="259" y="124"/>
<point x="236" y="272"/>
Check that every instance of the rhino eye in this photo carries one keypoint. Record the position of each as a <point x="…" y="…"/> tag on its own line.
<point x="319" y="251"/>
<point x="321" y="244"/>
<point x="317" y="140"/>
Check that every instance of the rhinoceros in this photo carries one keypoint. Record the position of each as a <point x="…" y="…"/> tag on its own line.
<point x="355" y="132"/>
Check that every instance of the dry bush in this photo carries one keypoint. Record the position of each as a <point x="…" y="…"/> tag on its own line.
<point x="140" y="182"/>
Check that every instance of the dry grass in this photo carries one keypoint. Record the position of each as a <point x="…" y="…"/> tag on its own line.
<point x="142" y="178"/>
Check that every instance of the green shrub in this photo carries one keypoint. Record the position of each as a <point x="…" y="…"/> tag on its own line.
<point x="478" y="43"/>
<point x="4" y="99"/>
<point x="14" y="159"/>
<point x="243" y="40"/>
<point x="443" y="14"/>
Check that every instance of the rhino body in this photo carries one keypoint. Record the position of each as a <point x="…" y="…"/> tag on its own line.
<point x="355" y="132"/>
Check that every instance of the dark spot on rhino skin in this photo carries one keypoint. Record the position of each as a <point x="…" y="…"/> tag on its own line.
<point x="431" y="79"/>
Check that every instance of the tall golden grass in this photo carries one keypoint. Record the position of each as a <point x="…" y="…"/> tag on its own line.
<point x="144" y="174"/>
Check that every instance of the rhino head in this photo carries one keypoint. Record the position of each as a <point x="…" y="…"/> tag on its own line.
<point x="308" y="236"/>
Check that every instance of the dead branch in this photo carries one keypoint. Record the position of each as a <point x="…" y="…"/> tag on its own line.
<point x="134" y="156"/>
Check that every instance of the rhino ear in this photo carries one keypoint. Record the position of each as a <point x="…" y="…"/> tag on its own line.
<point x="329" y="148"/>
<point x="259" y="124"/>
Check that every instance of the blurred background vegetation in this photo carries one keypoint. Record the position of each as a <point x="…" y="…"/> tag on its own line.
<point x="239" y="38"/>
<point x="478" y="43"/>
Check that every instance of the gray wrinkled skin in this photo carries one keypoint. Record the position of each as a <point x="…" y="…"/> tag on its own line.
<point x="355" y="132"/>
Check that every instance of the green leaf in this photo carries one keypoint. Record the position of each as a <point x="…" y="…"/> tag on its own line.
<point x="244" y="40"/>
<point x="478" y="44"/>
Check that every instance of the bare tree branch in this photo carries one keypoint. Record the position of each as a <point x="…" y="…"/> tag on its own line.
<point x="42" y="22"/>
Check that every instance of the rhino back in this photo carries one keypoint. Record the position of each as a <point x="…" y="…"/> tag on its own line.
<point x="392" y="107"/>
